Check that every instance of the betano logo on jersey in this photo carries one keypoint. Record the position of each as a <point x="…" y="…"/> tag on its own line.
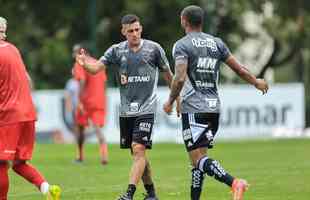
<point x="210" y="43"/>
<point x="138" y="79"/>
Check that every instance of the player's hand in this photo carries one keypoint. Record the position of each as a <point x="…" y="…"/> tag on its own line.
<point x="81" y="57"/>
<point x="261" y="85"/>
<point x="80" y="107"/>
<point x="178" y="106"/>
<point x="168" y="107"/>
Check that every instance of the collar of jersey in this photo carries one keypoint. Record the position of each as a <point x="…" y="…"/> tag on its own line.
<point x="140" y="46"/>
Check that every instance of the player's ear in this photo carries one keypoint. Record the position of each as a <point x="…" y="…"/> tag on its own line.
<point x="123" y="30"/>
<point x="141" y="28"/>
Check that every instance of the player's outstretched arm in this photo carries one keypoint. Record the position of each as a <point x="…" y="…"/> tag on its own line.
<point x="244" y="73"/>
<point x="89" y="64"/>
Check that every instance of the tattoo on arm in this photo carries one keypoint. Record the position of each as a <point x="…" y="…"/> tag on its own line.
<point x="178" y="80"/>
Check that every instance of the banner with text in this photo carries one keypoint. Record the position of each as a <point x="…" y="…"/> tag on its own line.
<point x="246" y="113"/>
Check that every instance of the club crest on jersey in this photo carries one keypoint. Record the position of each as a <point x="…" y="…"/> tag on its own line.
<point x="134" y="107"/>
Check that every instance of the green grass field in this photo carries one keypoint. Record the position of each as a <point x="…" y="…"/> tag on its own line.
<point x="276" y="170"/>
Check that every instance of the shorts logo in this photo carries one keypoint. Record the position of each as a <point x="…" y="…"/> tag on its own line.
<point x="145" y="138"/>
<point x="145" y="126"/>
<point x="123" y="140"/>
<point x="189" y="144"/>
<point x="210" y="137"/>
<point x="187" y="134"/>
<point x="9" y="151"/>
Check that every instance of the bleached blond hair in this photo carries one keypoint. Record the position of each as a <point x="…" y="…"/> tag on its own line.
<point x="3" y="21"/>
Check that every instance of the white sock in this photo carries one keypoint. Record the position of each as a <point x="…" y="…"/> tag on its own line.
<point x="44" y="187"/>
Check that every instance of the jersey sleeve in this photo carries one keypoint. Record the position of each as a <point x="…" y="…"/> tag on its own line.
<point x="223" y="49"/>
<point x="78" y="72"/>
<point x="163" y="62"/>
<point x="109" y="57"/>
<point x="179" y="52"/>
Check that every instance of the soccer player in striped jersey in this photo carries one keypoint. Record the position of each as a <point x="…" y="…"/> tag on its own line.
<point x="198" y="57"/>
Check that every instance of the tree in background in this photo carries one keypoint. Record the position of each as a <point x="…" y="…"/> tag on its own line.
<point x="45" y="32"/>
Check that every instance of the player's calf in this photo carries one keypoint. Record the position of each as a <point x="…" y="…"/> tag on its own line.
<point x="213" y="168"/>
<point x="4" y="180"/>
<point x="151" y="195"/>
<point x="197" y="182"/>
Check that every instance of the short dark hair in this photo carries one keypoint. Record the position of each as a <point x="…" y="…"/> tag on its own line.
<point x="194" y="15"/>
<point x="129" y="19"/>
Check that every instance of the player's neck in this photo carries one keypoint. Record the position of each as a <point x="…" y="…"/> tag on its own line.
<point x="135" y="47"/>
<point x="193" y="29"/>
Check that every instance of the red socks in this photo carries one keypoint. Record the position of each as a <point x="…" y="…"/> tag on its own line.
<point x="29" y="173"/>
<point x="4" y="181"/>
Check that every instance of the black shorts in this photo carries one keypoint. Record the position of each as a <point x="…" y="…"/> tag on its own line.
<point x="199" y="129"/>
<point x="136" y="129"/>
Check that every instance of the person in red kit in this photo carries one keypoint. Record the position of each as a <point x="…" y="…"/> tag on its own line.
<point x="91" y="107"/>
<point x="17" y="121"/>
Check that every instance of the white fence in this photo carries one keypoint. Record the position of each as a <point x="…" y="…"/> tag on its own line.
<point x="245" y="114"/>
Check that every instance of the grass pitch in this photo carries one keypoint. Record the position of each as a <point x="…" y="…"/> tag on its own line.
<point x="275" y="169"/>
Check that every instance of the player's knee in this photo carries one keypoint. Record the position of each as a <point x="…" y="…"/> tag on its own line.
<point x="138" y="150"/>
<point x="4" y="164"/>
<point x="17" y="163"/>
<point x="195" y="158"/>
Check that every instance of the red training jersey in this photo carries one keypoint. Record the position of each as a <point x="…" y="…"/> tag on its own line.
<point x="93" y="94"/>
<point x="16" y="103"/>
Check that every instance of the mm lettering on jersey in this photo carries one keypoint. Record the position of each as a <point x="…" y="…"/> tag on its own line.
<point x="138" y="79"/>
<point x="206" y="64"/>
<point x="201" y="43"/>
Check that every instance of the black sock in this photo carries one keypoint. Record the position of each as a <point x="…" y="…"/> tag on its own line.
<point x="197" y="182"/>
<point x="150" y="189"/>
<point x="213" y="168"/>
<point x="131" y="190"/>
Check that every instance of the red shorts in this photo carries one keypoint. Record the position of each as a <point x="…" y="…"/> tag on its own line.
<point x="17" y="141"/>
<point x="96" y="116"/>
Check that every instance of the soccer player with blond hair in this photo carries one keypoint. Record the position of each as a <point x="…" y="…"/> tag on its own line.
<point x="17" y="121"/>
